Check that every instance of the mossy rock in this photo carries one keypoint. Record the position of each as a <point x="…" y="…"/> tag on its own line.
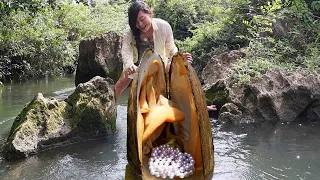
<point x="93" y="107"/>
<point x="88" y="113"/>
<point x="217" y="94"/>
<point x="41" y="119"/>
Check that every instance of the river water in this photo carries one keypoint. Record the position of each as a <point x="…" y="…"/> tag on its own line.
<point x="248" y="152"/>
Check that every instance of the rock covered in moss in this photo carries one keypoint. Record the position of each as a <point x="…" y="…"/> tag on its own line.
<point x="41" y="120"/>
<point x="93" y="107"/>
<point x="46" y="123"/>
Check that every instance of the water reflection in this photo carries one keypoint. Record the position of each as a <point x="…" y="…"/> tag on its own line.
<point x="230" y="155"/>
<point x="16" y="95"/>
<point x="64" y="93"/>
<point x="267" y="151"/>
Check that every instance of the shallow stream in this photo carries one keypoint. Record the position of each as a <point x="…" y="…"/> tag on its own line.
<point x="248" y="152"/>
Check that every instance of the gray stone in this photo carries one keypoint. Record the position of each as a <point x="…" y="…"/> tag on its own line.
<point x="99" y="56"/>
<point x="278" y="96"/>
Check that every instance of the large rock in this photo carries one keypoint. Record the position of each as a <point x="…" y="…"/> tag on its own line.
<point x="44" y="123"/>
<point x="279" y="96"/>
<point x="218" y="67"/>
<point x="99" y="56"/>
<point x="214" y="77"/>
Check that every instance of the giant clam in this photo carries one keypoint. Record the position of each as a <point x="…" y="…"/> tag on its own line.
<point x="167" y="110"/>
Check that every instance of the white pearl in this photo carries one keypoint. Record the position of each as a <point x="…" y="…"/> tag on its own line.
<point x="152" y="172"/>
<point x="181" y="175"/>
<point x="163" y="175"/>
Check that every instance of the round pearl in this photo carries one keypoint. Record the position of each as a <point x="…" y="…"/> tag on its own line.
<point x="181" y="175"/>
<point x="152" y="172"/>
<point x="163" y="175"/>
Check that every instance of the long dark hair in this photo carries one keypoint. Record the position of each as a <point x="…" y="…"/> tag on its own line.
<point x="133" y="14"/>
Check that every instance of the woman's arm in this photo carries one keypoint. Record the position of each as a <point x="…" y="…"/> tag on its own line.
<point x="170" y="46"/>
<point x="127" y="53"/>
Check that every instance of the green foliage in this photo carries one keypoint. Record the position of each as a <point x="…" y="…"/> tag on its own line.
<point x="290" y="50"/>
<point x="312" y="58"/>
<point x="217" y="29"/>
<point x="274" y="34"/>
<point x="180" y="14"/>
<point x="250" y="69"/>
<point x="13" y="69"/>
<point x="315" y="5"/>
<point x="42" y="37"/>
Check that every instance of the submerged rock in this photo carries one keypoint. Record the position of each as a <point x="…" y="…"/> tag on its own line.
<point x="46" y="123"/>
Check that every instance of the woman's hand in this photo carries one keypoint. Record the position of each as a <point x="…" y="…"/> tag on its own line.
<point x="168" y="67"/>
<point x="131" y="70"/>
<point x="188" y="57"/>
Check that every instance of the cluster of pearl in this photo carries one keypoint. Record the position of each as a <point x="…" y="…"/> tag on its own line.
<point x="168" y="162"/>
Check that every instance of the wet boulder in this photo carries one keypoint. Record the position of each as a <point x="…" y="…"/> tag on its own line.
<point x="277" y="97"/>
<point x="45" y="123"/>
<point x="93" y="108"/>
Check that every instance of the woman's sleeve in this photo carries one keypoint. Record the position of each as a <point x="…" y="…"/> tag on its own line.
<point x="127" y="50"/>
<point x="171" y="48"/>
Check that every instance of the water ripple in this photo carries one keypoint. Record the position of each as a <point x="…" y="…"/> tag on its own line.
<point x="64" y="93"/>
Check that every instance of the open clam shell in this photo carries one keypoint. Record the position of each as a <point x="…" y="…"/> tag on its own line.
<point x="163" y="107"/>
